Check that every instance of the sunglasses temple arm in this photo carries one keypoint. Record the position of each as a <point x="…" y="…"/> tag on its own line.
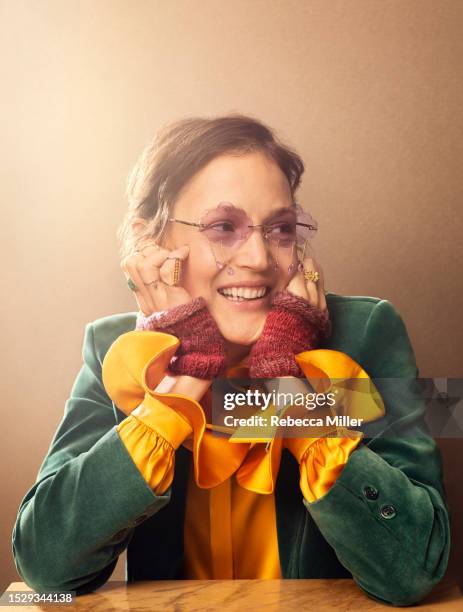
<point x="187" y="222"/>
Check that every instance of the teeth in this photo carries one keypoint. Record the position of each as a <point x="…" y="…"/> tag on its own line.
<point x="246" y="293"/>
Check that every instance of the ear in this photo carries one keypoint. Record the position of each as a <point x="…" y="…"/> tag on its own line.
<point x="137" y="225"/>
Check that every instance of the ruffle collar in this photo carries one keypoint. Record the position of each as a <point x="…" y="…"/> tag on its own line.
<point x="215" y="457"/>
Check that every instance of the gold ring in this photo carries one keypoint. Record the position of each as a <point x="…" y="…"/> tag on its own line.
<point x="176" y="273"/>
<point x="310" y="275"/>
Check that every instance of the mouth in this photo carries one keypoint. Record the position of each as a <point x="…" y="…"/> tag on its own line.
<point x="244" y="294"/>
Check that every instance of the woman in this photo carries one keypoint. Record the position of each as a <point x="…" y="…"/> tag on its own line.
<point x="213" y="250"/>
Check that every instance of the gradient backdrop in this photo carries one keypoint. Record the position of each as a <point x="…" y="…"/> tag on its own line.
<point x="369" y="92"/>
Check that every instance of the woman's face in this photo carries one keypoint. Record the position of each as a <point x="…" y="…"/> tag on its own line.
<point x="255" y="184"/>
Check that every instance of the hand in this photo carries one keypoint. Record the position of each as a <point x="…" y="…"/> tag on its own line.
<point x="151" y="269"/>
<point x="201" y="353"/>
<point x="313" y="292"/>
<point x="297" y="322"/>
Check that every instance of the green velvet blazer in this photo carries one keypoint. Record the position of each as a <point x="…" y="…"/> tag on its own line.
<point x="90" y="502"/>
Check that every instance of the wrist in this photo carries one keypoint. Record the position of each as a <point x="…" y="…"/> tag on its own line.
<point x="292" y="326"/>
<point x="162" y="320"/>
<point x="192" y="387"/>
<point x="311" y="324"/>
<point x="201" y="353"/>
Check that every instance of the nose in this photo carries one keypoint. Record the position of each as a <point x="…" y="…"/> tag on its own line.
<point x="254" y="252"/>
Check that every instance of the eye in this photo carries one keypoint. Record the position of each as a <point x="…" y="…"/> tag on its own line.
<point x="285" y="229"/>
<point x="224" y="227"/>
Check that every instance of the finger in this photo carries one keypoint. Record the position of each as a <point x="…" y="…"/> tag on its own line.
<point x="134" y="265"/>
<point x="321" y="290"/>
<point x="144" y="247"/>
<point x="159" y="290"/>
<point x="167" y="272"/>
<point x="168" y="267"/>
<point x="158" y="278"/>
<point x="165" y="296"/>
<point x="142" y="305"/>
<point x="311" y="286"/>
<point x="182" y="252"/>
<point x="152" y="256"/>
<point x="149" y="269"/>
<point x="297" y="286"/>
<point x="157" y="256"/>
<point x="164" y="293"/>
<point x="153" y="285"/>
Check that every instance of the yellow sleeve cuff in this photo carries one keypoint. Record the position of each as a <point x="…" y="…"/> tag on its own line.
<point x="163" y="420"/>
<point x="322" y="464"/>
<point x="155" y="427"/>
<point x="126" y="363"/>
<point x="151" y="434"/>
<point x="153" y="456"/>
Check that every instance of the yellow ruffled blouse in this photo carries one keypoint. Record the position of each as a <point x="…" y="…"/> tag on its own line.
<point x="230" y="521"/>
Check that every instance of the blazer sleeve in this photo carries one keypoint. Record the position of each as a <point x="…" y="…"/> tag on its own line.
<point x="386" y="515"/>
<point x="88" y="497"/>
<point x="152" y="433"/>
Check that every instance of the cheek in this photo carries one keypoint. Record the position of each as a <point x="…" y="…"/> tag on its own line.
<point x="199" y="272"/>
<point x="283" y="277"/>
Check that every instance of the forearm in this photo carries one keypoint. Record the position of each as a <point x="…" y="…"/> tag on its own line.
<point x="73" y="524"/>
<point x="90" y="494"/>
<point x="396" y="546"/>
<point x="189" y="386"/>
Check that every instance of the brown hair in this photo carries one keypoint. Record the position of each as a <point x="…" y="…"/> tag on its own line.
<point x="178" y="151"/>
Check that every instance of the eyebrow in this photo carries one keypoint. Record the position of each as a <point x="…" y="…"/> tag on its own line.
<point x="278" y="211"/>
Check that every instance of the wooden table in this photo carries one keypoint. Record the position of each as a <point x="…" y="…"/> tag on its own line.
<point x="244" y="595"/>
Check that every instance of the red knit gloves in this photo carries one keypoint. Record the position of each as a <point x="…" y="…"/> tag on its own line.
<point x="293" y="325"/>
<point x="202" y="348"/>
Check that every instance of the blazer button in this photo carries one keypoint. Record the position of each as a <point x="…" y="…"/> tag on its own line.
<point x="370" y="492"/>
<point x="388" y="511"/>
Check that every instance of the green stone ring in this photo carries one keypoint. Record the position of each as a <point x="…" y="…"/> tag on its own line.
<point x="131" y="284"/>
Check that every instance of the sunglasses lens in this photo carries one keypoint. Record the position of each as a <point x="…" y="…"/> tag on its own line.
<point x="226" y="225"/>
<point x="281" y="231"/>
<point x="308" y="230"/>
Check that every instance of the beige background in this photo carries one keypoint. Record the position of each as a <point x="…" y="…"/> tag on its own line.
<point x="369" y="92"/>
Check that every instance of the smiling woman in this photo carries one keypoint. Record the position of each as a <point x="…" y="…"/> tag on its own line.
<point x="214" y="249"/>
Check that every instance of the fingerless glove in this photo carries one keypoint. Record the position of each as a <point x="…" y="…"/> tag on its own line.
<point x="202" y="348"/>
<point x="293" y="325"/>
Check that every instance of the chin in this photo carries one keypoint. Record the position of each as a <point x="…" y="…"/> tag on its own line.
<point x="242" y="334"/>
<point x="239" y="323"/>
